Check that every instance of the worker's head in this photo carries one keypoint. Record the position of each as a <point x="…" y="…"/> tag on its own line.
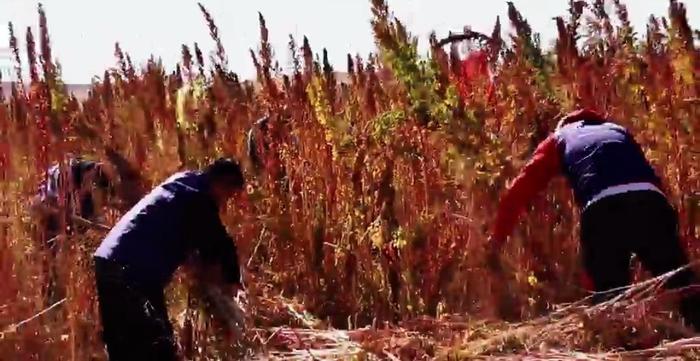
<point x="587" y="115"/>
<point x="225" y="178"/>
<point x="91" y="184"/>
<point x="90" y="174"/>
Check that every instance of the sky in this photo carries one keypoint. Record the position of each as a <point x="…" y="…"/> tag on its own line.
<point x="83" y="32"/>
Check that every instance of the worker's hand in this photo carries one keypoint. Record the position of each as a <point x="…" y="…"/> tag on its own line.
<point x="43" y="208"/>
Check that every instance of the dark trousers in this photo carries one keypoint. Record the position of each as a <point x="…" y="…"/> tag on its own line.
<point x="49" y="230"/>
<point x="134" y="319"/>
<point x="641" y="223"/>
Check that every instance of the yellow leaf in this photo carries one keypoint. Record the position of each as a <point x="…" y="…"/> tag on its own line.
<point x="532" y="280"/>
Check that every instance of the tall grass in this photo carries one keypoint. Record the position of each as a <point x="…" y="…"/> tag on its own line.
<point x="377" y="191"/>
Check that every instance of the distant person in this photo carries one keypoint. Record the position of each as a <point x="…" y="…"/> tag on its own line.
<point x="623" y="207"/>
<point x="257" y="143"/>
<point x="85" y="186"/>
<point x="263" y="156"/>
<point x="474" y="72"/>
<point x="137" y="259"/>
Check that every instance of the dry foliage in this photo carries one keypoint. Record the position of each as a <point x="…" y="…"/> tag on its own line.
<point x="376" y="193"/>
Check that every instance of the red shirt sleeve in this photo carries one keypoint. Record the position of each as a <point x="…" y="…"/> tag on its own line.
<point x="534" y="177"/>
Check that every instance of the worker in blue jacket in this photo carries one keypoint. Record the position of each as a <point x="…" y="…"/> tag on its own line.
<point x="86" y="186"/>
<point x="139" y="256"/>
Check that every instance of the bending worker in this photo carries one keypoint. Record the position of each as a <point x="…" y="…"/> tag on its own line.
<point x="138" y="257"/>
<point x="86" y="186"/>
<point x="623" y="209"/>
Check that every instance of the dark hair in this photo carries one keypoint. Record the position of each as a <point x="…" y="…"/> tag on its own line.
<point x="80" y="167"/>
<point x="588" y="116"/>
<point x="226" y="170"/>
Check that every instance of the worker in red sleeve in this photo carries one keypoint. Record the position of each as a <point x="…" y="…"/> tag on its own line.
<point x="623" y="209"/>
<point x="474" y="70"/>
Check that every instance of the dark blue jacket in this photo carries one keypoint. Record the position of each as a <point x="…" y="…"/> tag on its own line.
<point x="174" y="220"/>
<point x="596" y="156"/>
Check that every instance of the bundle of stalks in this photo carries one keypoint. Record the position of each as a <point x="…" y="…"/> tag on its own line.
<point x="231" y="310"/>
<point x="637" y="318"/>
<point x="634" y="324"/>
<point x="287" y="343"/>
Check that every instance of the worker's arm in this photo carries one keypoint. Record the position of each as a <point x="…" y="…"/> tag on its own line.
<point x="216" y="246"/>
<point x="40" y="207"/>
<point x="544" y="165"/>
<point x="45" y="203"/>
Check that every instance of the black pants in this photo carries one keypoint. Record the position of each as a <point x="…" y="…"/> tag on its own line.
<point x="643" y="223"/>
<point x="49" y="230"/>
<point x="134" y="319"/>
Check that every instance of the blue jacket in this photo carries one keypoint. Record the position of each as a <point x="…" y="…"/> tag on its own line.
<point x="174" y="220"/>
<point x="599" y="155"/>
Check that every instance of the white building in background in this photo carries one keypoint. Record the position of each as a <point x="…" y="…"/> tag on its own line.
<point x="7" y="66"/>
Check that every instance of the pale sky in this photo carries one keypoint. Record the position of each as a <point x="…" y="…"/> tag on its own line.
<point x="83" y="32"/>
